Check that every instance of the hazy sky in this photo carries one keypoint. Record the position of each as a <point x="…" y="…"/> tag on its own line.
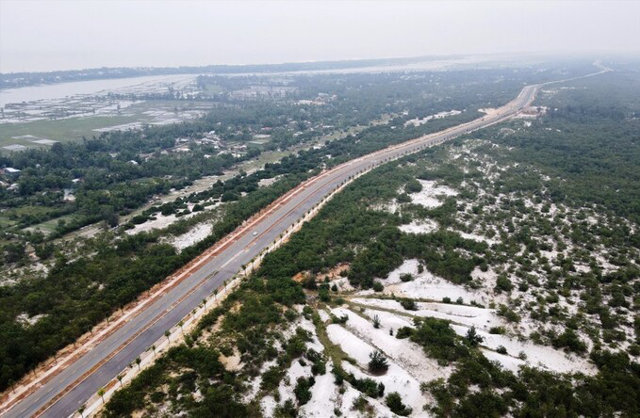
<point x="51" y="35"/>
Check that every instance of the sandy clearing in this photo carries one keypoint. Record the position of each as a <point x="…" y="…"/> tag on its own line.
<point x="346" y="405"/>
<point x="396" y="380"/>
<point x="426" y="285"/>
<point x="324" y="316"/>
<point x="440" y="115"/>
<point x="405" y="353"/>
<point x="466" y="315"/>
<point x="431" y="193"/>
<point x="323" y="396"/>
<point x="476" y="237"/>
<point x="290" y="380"/>
<point x="191" y="237"/>
<point x="419" y="227"/>
<point x="540" y="356"/>
<point x="508" y="362"/>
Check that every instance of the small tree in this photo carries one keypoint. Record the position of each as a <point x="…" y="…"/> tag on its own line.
<point x="119" y="377"/>
<point x="378" y="363"/>
<point x="394" y="402"/>
<point x="167" y="334"/>
<point x="138" y="361"/>
<point x="101" y="394"/>
<point x="473" y="338"/>
<point x="376" y="321"/>
<point x="81" y="410"/>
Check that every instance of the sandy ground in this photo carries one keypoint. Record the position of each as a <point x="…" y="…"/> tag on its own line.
<point x="419" y="227"/>
<point x="193" y="236"/>
<point x="431" y="194"/>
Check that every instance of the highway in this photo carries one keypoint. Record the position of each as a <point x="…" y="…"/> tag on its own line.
<point x="63" y="394"/>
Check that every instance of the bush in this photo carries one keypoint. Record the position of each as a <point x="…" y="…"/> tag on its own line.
<point x="377" y="286"/>
<point x="570" y="340"/>
<point x="406" y="277"/>
<point x="378" y="363"/>
<point x="503" y="284"/>
<point x="394" y="402"/>
<point x="409" y="304"/>
<point x="404" y="332"/>
<point x="438" y="339"/>
<point x="302" y="392"/>
<point x="473" y="338"/>
<point x="413" y="186"/>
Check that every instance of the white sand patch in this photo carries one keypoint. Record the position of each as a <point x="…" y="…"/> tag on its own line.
<point x="419" y="227"/>
<point x="307" y="325"/>
<point x="24" y="319"/>
<point x="324" y="316"/>
<point x="268" y="182"/>
<point x="268" y="405"/>
<point x="408" y="266"/>
<point x="475" y="237"/>
<point x="160" y="222"/>
<point x="431" y="194"/>
<point x="508" y="362"/>
<point x="426" y="285"/>
<point x="254" y="384"/>
<point x="346" y="404"/>
<point x="465" y="315"/>
<point x="430" y="286"/>
<point x="233" y="362"/>
<point x="290" y="380"/>
<point x="537" y="355"/>
<point x="487" y="278"/>
<point x="193" y="236"/>
<point x="390" y="207"/>
<point x="350" y="344"/>
<point x="440" y="115"/>
<point x="323" y="396"/>
<point x="342" y="284"/>
<point x="395" y="380"/>
<point x="405" y="353"/>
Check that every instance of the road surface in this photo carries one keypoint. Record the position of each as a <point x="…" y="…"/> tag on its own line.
<point x="63" y="394"/>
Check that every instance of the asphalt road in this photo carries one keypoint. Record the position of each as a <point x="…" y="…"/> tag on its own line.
<point x="150" y="324"/>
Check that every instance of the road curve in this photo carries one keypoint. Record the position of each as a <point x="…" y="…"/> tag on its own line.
<point x="63" y="394"/>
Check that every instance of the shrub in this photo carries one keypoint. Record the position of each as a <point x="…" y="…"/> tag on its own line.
<point x="406" y="277"/>
<point x="409" y="304"/>
<point x="404" y="332"/>
<point x="413" y="186"/>
<point x="497" y="330"/>
<point x="378" y="363"/>
<point x="376" y="321"/>
<point x="473" y="338"/>
<point x="302" y="392"/>
<point x="394" y="402"/>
